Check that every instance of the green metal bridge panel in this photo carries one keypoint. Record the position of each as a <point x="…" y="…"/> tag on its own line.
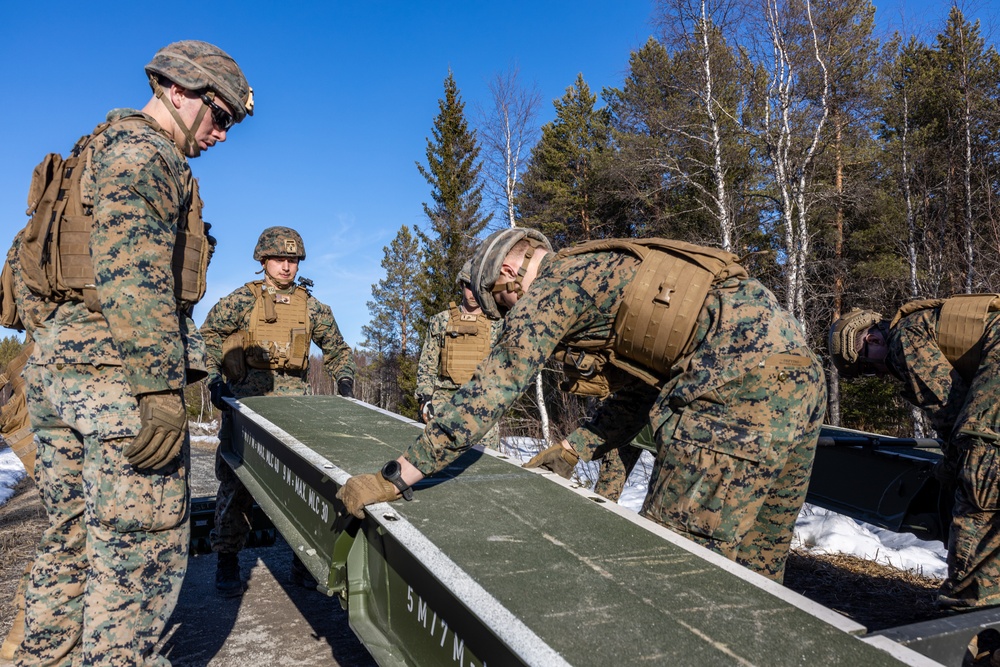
<point x="595" y="587"/>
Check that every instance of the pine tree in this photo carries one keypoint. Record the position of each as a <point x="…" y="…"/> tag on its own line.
<point x="682" y="163"/>
<point x="455" y="215"/>
<point x="559" y="194"/>
<point x="10" y="346"/>
<point x="391" y="335"/>
<point x="970" y="73"/>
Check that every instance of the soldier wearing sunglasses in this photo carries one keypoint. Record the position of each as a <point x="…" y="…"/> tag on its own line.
<point x="112" y="356"/>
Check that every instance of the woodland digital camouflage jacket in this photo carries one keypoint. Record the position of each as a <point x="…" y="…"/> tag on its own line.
<point x="931" y="383"/>
<point x="140" y="186"/>
<point x="232" y="313"/>
<point x="576" y="298"/>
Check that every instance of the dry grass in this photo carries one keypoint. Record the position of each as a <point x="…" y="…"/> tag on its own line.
<point x="876" y="596"/>
<point x="22" y="520"/>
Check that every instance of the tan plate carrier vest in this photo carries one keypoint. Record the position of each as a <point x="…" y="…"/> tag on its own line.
<point x="280" y="331"/>
<point x="466" y="343"/>
<point x="15" y="425"/>
<point x="658" y="315"/>
<point x="55" y="254"/>
<point x="960" y="328"/>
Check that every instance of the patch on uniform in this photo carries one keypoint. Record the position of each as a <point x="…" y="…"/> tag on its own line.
<point x="282" y="298"/>
<point x="291" y="247"/>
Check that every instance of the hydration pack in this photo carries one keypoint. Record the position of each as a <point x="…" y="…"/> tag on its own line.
<point x="658" y="314"/>
<point x="55" y="253"/>
<point x="960" y="328"/>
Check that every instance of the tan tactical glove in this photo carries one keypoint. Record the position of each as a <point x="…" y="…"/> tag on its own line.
<point x="164" y="426"/>
<point x="556" y="458"/>
<point x="362" y="490"/>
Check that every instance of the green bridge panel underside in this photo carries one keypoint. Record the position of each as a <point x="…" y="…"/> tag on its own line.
<point x="597" y="588"/>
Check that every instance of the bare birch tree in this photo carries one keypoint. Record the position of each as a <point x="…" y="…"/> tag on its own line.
<point x="695" y="27"/>
<point x="789" y="116"/>
<point x="507" y="131"/>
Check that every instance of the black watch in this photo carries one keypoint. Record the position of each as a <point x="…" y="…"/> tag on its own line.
<point x="391" y="471"/>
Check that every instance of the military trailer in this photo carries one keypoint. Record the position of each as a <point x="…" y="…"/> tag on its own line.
<point x="492" y="564"/>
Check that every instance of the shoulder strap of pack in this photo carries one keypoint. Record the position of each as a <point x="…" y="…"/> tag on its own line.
<point x="16" y="365"/>
<point x="911" y="307"/>
<point x="721" y="263"/>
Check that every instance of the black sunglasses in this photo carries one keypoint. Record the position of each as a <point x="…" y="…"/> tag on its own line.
<point x="222" y="118"/>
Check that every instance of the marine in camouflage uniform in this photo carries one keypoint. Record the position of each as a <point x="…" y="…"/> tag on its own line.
<point x="736" y="419"/>
<point x="965" y="412"/>
<point x="105" y="389"/>
<point x="232" y="315"/>
<point x="434" y="386"/>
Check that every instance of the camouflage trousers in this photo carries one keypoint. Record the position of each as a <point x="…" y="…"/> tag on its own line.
<point x="616" y="466"/>
<point x="442" y="396"/>
<point x="732" y="467"/>
<point x="233" y="502"/>
<point x="110" y="564"/>
<point x="974" y="538"/>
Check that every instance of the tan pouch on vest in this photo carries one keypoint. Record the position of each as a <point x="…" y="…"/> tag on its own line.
<point x="9" y="317"/>
<point x="234" y="365"/>
<point x="584" y="373"/>
<point x="466" y="344"/>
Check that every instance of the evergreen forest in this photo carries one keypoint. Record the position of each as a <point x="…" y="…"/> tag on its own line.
<point x="847" y="169"/>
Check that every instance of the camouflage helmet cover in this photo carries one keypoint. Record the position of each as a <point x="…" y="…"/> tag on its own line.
<point x="488" y="260"/>
<point x="199" y="66"/>
<point x="279" y="242"/>
<point x="844" y="337"/>
<point x="464" y="276"/>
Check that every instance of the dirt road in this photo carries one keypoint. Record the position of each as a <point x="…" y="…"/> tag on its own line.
<point x="274" y="623"/>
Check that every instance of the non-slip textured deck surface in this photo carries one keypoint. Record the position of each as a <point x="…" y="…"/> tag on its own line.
<point x="597" y="588"/>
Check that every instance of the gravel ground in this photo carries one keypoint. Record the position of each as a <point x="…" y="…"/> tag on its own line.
<point x="274" y="623"/>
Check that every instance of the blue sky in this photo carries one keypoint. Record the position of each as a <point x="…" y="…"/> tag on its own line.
<point x="346" y="95"/>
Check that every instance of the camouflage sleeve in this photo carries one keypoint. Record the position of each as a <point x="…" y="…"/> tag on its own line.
<point x="428" y="367"/>
<point x="338" y="360"/>
<point x="138" y="199"/>
<point x="618" y="420"/>
<point x="533" y="328"/>
<point x="225" y="318"/>
<point x="929" y="380"/>
<point x="496" y="330"/>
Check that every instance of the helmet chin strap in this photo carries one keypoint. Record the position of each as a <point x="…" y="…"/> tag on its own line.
<point x="277" y="283"/>
<point x="190" y="144"/>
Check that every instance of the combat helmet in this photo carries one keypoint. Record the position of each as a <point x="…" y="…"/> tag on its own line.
<point x="488" y="260"/>
<point x="279" y="242"/>
<point x="464" y="276"/>
<point x="844" y="341"/>
<point x="200" y="66"/>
